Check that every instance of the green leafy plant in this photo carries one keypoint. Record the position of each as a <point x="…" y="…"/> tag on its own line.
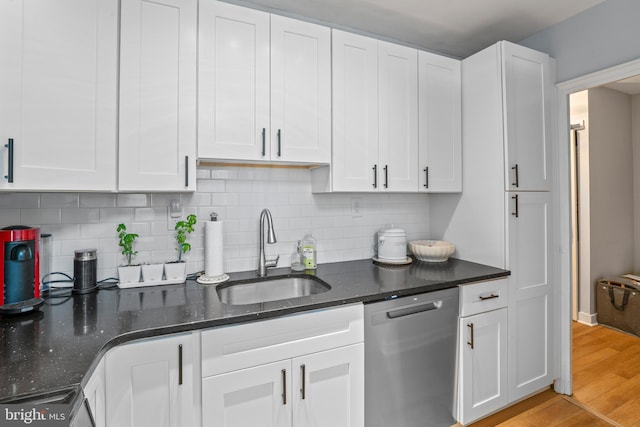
<point x="184" y="228"/>
<point x="126" y="242"/>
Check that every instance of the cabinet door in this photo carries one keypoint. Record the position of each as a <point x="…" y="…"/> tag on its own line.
<point x="398" y="117"/>
<point x="258" y="396"/>
<point x="440" y="123"/>
<point x="300" y="91"/>
<point x="94" y="392"/>
<point x="355" y="112"/>
<point x="483" y="365"/>
<point x="157" y="146"/>
<point x="526" y="112"/>
<point x="59" y="87"/>
<point x="329" y="388"/>
<point x="530" y="293"/>
<point x="147" y="386"/>
<point x="233" y="82"/>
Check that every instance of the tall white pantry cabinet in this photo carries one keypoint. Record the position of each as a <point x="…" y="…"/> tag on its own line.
<point x="503" y="217"/>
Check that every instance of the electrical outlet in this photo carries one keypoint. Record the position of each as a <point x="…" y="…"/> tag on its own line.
<point x="356" y="208"/>
<point x="171" y="221"/>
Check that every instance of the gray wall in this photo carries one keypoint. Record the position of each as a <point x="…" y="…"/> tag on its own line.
<point x="596" y="39"/>
<point x="611" y="185"/>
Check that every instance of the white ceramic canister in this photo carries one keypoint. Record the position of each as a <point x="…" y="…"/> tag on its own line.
<point x="392" y="244"/>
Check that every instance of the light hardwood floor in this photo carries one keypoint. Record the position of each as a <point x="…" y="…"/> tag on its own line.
<point x="606" y="386"/>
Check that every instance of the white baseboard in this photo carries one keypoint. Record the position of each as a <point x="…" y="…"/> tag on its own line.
<point x="587" y="318"/>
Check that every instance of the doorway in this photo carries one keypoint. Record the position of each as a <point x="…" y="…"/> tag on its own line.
<point x="569" y="220"/>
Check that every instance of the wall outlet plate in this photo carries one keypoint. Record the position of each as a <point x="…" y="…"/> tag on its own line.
<point x="356" y="208"/>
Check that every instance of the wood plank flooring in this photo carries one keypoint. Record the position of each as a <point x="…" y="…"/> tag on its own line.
<point x="606" y="386"/>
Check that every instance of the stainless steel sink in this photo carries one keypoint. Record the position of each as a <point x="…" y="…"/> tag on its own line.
<point x="270" y="289"/>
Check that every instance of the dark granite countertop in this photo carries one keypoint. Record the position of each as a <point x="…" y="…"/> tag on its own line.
<point x="55" y="348"/>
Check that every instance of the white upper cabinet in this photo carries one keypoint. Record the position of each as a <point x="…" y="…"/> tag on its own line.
<point x="157" y="146"/>
<point x="375" y="117"/>
<point x="59" y="94"/>
<point x="355" y="112"/>
<point x="526" y="109"/>
<point x="264" y="86"/>
<point x="440" y="125"/>
<point x="398" y="117"/>
<point x="234" y="82"/>
<point x="300" y="91"/>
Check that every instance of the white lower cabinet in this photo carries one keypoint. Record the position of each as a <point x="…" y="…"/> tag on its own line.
<point x="299" y="370"/>
<point x="482" y="350"/>
<point x="483" y="365"/>
<point x="320" y="389"/>
<point x="151" y="383"/>
<point x="94" y="391"/>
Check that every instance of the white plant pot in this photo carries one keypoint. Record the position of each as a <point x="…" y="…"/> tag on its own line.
<point x="152" y="272"/>
<point x="175" y="270"/>
<point x="129" y="274"/>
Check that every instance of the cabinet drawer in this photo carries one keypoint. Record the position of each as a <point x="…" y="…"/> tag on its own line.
<point x="229" y="348"/>
<point x="483" y="296"/>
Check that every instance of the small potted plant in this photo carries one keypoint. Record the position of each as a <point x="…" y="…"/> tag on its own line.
<point x="127" y="273"/>
<point x="176" y="269"/>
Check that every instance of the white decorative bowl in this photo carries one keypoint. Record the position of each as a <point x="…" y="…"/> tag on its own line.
<point x="432" y="250"/>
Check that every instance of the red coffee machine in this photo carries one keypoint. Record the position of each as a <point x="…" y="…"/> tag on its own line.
<point x="19" y="269"/>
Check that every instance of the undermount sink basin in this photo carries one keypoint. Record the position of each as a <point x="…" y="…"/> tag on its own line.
<point x="270" y="289"/>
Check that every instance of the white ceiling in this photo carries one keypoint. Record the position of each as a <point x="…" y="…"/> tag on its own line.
<point x="453" y="27"/>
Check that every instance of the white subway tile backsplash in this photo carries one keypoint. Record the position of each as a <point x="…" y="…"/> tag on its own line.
<point x="238" y="195"/>
<point x="32" y="217"/>
<point x="59" y="200"/>
<point x="97" y="200"/>
<point x="132" y="200"/>
<point x="20" y="200"/>
<point x="80" y="215"/>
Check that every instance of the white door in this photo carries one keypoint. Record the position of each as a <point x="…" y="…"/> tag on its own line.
<point x="157" y="146"/>
<point x="328" y="388"/>
<point x="527" y="118"/>
<point x="440" y="123"/>
<point x="355" y="112"/>
<point x="59" y="94"/>
<point x="398" y="117"/>
<point x="147" y="386"/>
<point x="483" y="364"/>
<point x="530" y="293"/>
<point x="233" y="82"/>
<point x="300" y="91"/>
<point x="258" y="396"/>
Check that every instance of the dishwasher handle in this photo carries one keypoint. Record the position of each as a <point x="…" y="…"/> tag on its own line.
<point x="407" y="311"/>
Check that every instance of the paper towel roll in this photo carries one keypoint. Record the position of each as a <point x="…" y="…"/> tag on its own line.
<point x="213" y="248"/>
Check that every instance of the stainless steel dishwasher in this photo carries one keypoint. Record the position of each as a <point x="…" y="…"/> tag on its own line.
<point x="410" y="355"/>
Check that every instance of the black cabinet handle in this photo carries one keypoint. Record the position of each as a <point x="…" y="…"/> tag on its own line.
<point x="186" y="171"/>
<point x="492" y="296"/>
<point x="516" y="211"/>
<point x="9" y="175"/>
<point x="517" y="183"/>
<point x="426" y="177"/>
<point x="386" y="176"/>
<point x="180" y="364"/>
<point x="303" y="390"/>
<point x="284" y="386"/>
<point x="375" y="176"/>
<point x="264" y="141"/>
<point x="279" y="143"/>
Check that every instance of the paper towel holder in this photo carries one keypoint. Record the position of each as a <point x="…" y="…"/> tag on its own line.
<point x="211" y="280"/>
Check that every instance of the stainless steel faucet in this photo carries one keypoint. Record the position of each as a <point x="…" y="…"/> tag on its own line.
<point x="263" y="263"/>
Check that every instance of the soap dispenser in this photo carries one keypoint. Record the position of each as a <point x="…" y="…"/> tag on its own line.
<point x="309" y="252"/>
